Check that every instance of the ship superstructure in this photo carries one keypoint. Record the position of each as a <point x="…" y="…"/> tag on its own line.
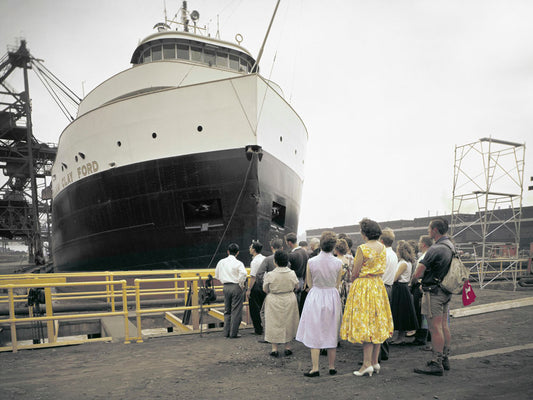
<point x="172" y="159"/>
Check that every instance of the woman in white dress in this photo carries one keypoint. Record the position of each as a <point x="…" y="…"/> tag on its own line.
<point x="281" y="306"/>
<point x="321" y="315"/>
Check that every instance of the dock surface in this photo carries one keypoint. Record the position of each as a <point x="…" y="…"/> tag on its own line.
<point x="492" y="359"/>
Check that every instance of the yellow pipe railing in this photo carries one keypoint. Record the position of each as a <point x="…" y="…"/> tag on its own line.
<point x="50" y="317"/>
<point x="104" y="283"/>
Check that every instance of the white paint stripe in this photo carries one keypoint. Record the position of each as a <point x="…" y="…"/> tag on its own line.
<point x="484" y="308"/>
<point x="493" y="352"/>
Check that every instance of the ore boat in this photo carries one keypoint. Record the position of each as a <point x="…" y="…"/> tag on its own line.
<point x="171" y="160"/>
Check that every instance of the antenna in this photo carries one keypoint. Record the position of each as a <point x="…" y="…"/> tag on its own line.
<point x="184" y="19"/>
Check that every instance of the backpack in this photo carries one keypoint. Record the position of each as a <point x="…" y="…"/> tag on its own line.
<point x="456" y="276"/>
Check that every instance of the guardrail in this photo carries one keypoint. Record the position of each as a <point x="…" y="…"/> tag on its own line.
<point x="144" y="292"/>
<point x="51" y="319"/>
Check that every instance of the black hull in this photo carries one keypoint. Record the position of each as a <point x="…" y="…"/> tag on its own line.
<point x="172" y="213"/>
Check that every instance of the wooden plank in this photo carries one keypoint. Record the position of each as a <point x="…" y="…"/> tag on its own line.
<point x="57" y="344"/>
<point x="492" y="352"/>
<point x="485" y="308"/>
<point x="220" y="316"/>
<point x="177" y="322"/>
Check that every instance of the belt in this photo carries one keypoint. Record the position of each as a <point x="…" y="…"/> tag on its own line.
<point x="230" y="283"/>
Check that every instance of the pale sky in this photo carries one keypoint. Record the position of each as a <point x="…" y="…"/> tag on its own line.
<point x="386" y="88"/>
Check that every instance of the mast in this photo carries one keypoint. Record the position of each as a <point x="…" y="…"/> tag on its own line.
<point x="266" y="37"/>
<point x="184" y="19"/>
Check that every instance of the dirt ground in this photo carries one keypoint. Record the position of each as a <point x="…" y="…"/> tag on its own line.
<point x="209" y="366"/>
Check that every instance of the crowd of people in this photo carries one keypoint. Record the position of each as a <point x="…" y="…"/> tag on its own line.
<point x="323" y="291"/>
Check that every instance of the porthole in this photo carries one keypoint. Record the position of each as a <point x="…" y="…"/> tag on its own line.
<point x="200" y="128"/>
<point x="154" y="135"/>
<point x="281" y="138"/>
<point x="82" y="155"/>
<point x="76" y="158"/>
<point x="295" y="151"/>
<point x="119" y="143"/>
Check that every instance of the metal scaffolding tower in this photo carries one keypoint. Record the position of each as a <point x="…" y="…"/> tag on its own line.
<point x="489" y="176"/>
<point x="25" y="162"/>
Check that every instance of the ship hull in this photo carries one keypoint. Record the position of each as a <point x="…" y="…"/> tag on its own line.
<point x="175" y="212"/>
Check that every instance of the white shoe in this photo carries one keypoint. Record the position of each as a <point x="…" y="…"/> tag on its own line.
<point x="369" y="371"/>
<point x="377" y="368"/>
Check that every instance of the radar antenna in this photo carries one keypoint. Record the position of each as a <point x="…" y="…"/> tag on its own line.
<point x="183" y="20"/>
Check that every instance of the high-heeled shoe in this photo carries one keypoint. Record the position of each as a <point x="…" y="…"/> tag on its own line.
<point x="377" y="368"/>
<point x="369" y="371"/>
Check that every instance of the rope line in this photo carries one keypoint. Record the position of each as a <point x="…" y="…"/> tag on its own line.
<point x="234" y="208"/>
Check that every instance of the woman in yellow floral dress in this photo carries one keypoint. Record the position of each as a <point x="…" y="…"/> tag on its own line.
<point x="367" y="317"/>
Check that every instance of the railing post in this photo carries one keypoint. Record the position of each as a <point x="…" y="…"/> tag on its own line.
<point x="49" y="313"/>
<point x="125" y="310"/>
<point x="13" y="323"/>
<point x="113" y="307"/>
<point x="194" y="302"/>
<point x="107" y="289"/>
<point x="138" y="309"/>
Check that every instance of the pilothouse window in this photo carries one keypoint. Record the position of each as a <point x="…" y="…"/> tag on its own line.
<point x="244" y="66"/>
<point x="234" y="62"/>
<point x="222" y="59"/>
<point x="183" y="52"/>
<point x="196" y="54"/>
<point x="209" y="57"/>
<point x="156" y="53"/>
<point x="148" y="55"/>
<point x="169" y="51"/>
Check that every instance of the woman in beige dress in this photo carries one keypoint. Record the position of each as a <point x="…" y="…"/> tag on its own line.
<point x="281" y="307"/>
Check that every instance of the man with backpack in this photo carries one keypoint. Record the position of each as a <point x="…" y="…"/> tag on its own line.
<point x="435" y="300"/>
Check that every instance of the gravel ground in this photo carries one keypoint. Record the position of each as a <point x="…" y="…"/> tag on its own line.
<point x="212" y="367"/>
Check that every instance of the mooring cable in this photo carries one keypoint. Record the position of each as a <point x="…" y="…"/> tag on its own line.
<point x="234" y="208"/>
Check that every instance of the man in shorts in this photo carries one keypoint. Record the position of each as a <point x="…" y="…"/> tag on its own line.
<point x="435" y="301"/>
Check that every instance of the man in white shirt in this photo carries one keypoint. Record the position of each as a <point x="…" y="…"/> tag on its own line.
<point x="232" y="274"/>
<point x="256" y="295"/>
<point x="387" y="238"/>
